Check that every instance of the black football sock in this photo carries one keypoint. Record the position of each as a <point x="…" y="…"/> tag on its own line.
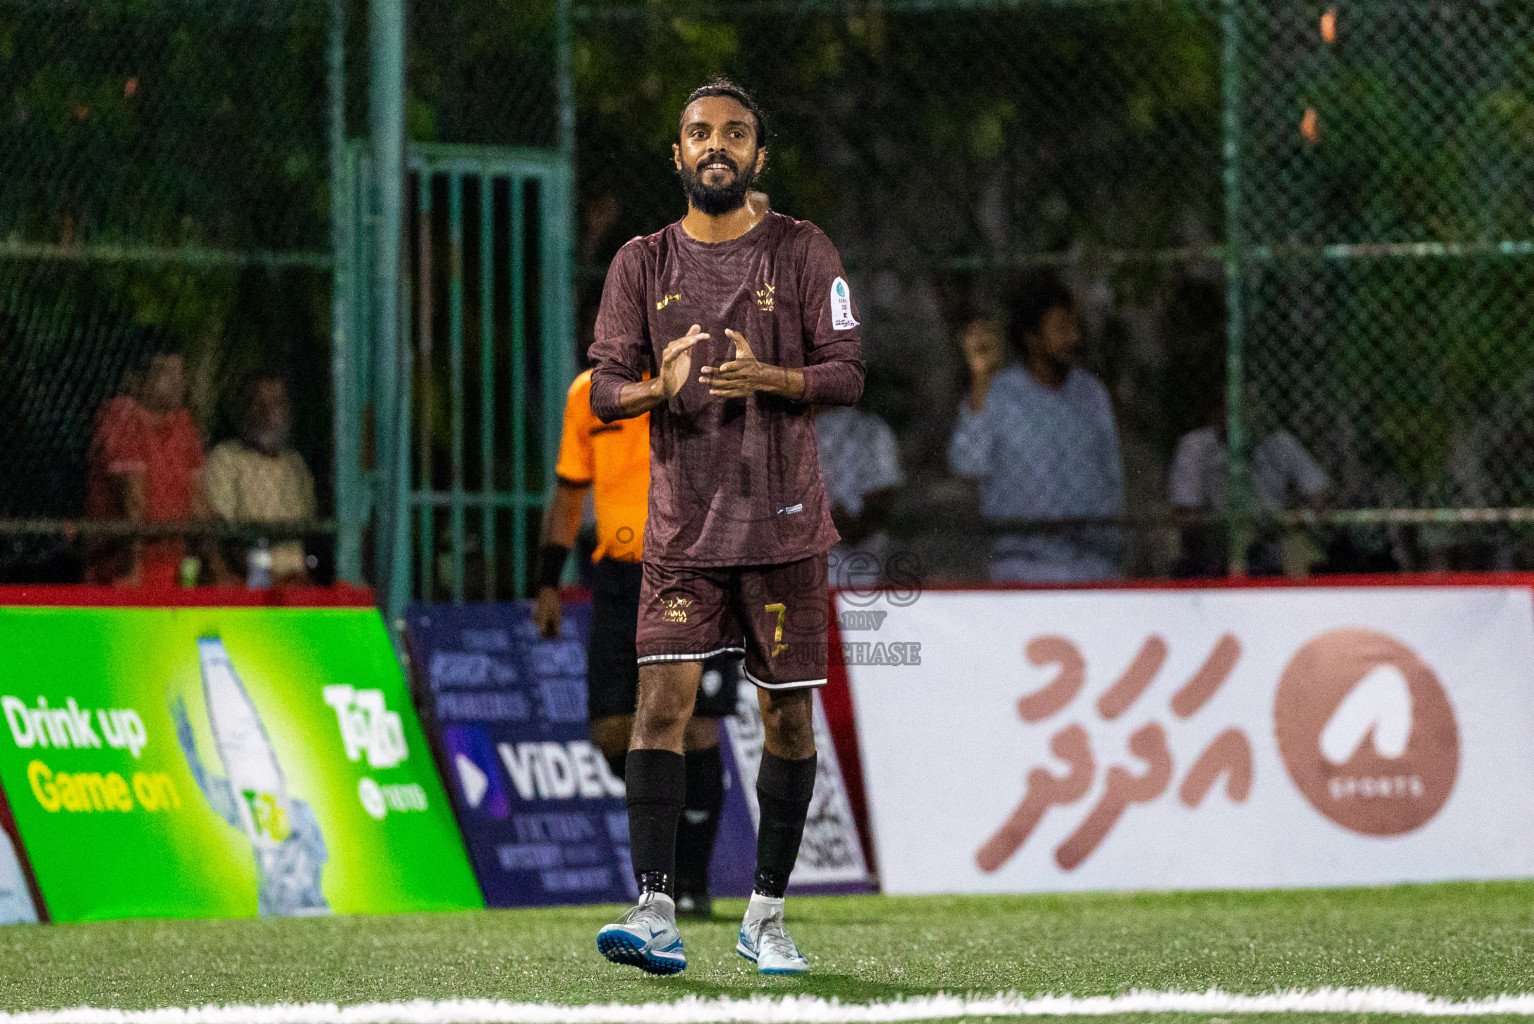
<point x="657" y="785"/>
<point x="700" y="818"/>
<point x="783" y="791"/>
<point x="618" y="764"/>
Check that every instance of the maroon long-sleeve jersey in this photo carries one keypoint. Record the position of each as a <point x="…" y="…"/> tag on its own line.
<point x="732" y="481"/>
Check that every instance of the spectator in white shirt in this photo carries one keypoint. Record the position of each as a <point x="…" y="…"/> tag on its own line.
<point x="860" y="463"/>
<point x="260" y="478"/>
<point x="1042" y="440"/>
<point x="1283" y="476"/>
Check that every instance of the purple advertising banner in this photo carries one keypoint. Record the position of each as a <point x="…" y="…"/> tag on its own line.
<point x="542" y="815"/>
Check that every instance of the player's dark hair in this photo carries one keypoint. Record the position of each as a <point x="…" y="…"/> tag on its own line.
<point x="1032" y="300"/>
<point x="721" y="86"/>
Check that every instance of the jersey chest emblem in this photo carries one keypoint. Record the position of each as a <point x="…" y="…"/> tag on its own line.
<point x="666" y="300"/>
<point x="764" y="297"/>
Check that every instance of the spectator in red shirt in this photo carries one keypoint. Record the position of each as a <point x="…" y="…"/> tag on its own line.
<point x="145" y="467"/>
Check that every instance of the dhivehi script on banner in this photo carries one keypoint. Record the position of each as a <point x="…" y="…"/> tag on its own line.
<point x="1127" y="739"/>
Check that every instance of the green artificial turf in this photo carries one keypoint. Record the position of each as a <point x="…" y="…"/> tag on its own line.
<point x="1458" y="940"/>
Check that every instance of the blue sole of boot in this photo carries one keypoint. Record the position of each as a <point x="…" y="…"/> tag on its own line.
<point x="623" y="948"/>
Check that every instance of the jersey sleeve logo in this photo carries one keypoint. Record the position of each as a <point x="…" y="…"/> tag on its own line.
<point x="841" y="306"/>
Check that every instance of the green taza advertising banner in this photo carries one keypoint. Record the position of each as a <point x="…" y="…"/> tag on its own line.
<point x="221" y="762"/>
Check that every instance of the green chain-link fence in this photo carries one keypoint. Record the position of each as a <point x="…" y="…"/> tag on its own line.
<point x="1329" y="199"/>
<point x="166" y="170"/>
<point x="484" y="72"/>
<point x="1367" y="160"/>
<point x="489" y="295"/>
<point x="1386" y="230"/>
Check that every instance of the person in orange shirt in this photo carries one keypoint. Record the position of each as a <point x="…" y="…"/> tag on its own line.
<point x="146" y="466"/>
<point x="612" y="460"/>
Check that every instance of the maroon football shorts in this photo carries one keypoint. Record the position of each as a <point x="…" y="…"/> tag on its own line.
<point x="777" y="615"/>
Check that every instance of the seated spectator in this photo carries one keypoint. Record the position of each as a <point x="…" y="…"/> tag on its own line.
<point x="1042" y="440"/>
<point x="259" y="478"/>
<point x="860" y="463"/>
<point x="145" y="467"/>
<point x="1283" y="475"/>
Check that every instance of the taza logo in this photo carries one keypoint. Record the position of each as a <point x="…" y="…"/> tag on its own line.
<point x="368" y="726"/>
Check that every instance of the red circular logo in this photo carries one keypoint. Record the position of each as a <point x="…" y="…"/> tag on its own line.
<point x="1366" y="732"/>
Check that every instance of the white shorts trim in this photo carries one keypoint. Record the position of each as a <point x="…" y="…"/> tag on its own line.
<point x="798" y="684"/>
<point x="650" y="659"/>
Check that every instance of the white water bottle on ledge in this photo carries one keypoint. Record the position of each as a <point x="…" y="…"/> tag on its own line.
<point x="258" y="566"/>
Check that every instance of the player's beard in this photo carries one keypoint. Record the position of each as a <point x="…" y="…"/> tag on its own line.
<point x="716" y="200"/>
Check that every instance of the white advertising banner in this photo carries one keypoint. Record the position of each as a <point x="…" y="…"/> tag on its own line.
<point x="1075" y="740"/>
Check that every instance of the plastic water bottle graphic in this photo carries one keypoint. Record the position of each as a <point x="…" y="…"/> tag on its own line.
<point x="260" y="791"/>
<point x="283" y="831"/>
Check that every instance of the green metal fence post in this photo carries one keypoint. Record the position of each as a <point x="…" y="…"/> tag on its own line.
<point x="400" y="579"/>
<point x="360" y="171"/>
<point x="386" y="38"/>
<point x="455" y="374"/>
<point x="425" y="315"/>
<point x="347" y="424"/>
<point x="516" y="262"/>
<point x="556" y="346"/>
<point x="564" y="238"/>
<point x="1237" y="504"/>
<point x="487" y="379"/>
<point x="559" y="258"/>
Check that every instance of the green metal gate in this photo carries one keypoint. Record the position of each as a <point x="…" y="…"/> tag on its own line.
<point x="487" y="354"/>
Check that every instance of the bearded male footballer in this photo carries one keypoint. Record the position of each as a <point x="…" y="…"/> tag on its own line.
<point x="739" y="525"/>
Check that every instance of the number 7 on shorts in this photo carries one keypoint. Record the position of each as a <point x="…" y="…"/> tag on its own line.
<point x="780" y="610"/>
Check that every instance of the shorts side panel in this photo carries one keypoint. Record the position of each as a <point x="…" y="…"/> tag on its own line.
<point x="685" y="614"/>
<point x="784" y="614"/>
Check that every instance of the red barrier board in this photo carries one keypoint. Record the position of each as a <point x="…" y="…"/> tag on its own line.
<point x="86" y="596"/>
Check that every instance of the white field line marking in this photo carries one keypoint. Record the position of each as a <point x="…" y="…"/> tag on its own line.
<point x="798" y="1009"/>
